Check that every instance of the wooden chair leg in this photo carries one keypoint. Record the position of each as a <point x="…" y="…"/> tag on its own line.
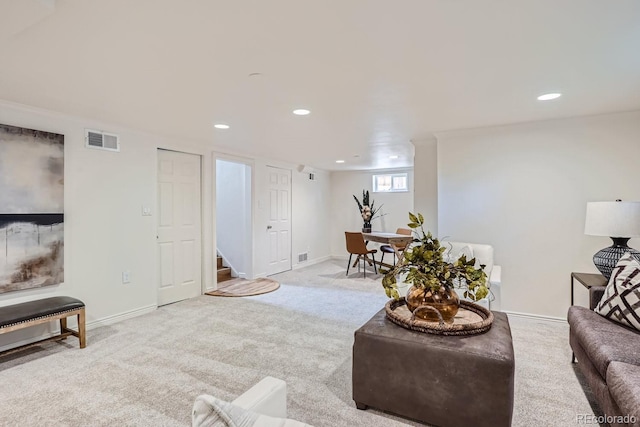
<point x="349" y="263"/>
<point x="82" y="336"/>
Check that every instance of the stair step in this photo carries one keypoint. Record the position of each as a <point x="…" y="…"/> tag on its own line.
<point x="219" y="262"/>
<point x="223" y="274"/>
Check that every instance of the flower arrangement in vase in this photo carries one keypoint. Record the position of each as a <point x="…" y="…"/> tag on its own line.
<point x="432" y="278"/>
<point x="368" y="212"/>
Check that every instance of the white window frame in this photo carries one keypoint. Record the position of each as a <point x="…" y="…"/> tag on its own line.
<point x="404" y="175"/>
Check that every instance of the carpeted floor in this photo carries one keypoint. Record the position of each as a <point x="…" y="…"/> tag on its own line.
<point x="147" y="371"/>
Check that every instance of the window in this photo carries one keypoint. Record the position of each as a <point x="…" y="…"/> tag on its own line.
<point x="389" y="183"/>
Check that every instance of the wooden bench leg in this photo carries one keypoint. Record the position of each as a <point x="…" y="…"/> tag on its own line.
<point x="81" y="329"/>
<point x="63" y="326"/>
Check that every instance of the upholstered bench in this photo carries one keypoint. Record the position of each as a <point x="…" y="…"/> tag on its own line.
<point x="441" y="380"/>
<point x="31" y="313"/>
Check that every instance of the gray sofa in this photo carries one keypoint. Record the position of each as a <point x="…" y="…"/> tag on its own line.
<point x="608" y="355"/>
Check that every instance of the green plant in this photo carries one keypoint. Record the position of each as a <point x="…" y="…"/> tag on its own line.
<point x="426" y="268"/>
<point x="368" y="212"/>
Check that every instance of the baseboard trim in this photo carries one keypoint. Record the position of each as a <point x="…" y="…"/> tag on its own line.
<point x="535" y="316"/>
<point x="110" y="320"/>
<point x="311" y="262"/>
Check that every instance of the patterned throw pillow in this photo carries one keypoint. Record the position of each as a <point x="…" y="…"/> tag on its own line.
<point x="621" y="299"/>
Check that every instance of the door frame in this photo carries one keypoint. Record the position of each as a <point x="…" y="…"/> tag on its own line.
<point x="205" y="215"/>
<point x="217" y="155"/>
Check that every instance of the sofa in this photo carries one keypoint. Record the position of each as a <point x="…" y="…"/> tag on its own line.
<point x="263" y="405"/>
<point x="608" y="356"/>
<point x="484" y="255"/>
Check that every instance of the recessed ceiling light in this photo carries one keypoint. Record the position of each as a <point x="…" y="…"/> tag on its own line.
<point x="301" y="112"/>
<point x="339" y="161"/>
<point x="549" y="96"/>
<point x="393" y="157"/>
<point x="221" y="126"/>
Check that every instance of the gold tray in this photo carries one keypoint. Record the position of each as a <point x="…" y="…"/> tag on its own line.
<point x="471" y="319"/>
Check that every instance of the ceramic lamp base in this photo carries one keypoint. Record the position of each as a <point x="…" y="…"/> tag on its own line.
<point x="606" y="259"/>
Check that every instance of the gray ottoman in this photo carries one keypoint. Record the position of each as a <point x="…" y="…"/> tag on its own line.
<point x="442" y="380"/>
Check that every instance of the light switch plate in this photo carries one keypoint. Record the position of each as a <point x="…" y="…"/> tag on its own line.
<point x="126" y="277"/>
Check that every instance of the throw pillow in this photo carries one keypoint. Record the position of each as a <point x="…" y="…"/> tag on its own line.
<point x="621" y="299"/>
<point x="209" y="411"/>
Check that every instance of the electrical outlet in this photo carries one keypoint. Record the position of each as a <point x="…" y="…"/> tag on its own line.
<point x="146" y="211"/>
<point x="126" y="277"/>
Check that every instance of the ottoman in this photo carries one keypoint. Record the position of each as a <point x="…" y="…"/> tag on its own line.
<point x="440" y="380"/>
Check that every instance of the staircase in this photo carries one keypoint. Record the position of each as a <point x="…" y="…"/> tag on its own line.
<point x="224" y="273"/>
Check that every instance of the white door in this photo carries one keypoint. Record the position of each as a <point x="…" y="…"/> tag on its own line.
<point x="279" y="225"/>
<point x="179" y="235"/>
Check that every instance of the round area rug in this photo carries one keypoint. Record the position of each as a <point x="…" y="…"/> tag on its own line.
<point x="244" y="288"/>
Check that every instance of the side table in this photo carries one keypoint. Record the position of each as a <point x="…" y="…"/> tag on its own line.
<point x="588" y="280"/>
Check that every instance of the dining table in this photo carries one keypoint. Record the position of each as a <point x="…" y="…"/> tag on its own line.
<point x="397" y="242"/>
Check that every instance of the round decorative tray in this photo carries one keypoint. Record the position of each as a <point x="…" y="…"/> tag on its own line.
<point x="471" y="319"/>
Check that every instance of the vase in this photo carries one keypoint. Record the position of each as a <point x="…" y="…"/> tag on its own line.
<point x="366" y="227"/>
<point x="445" y="300"/>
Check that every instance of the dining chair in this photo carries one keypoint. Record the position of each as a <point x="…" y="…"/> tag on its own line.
<point x="357" y="246"/>
<point x="387" y="249"/>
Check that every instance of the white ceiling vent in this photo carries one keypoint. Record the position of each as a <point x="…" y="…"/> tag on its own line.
<point x="101" y="140"/>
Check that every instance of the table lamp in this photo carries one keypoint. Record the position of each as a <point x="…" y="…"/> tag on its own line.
<point x="618" y="220"/>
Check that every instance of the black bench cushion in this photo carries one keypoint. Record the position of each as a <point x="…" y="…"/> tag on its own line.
<point x="22" y="312"/>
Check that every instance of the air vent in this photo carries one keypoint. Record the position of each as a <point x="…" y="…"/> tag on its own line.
<point x="302" y="257"/>
<point x="102" y="140"/>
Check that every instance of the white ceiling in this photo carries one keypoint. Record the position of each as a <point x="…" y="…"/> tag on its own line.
<point x="375" y="73"/>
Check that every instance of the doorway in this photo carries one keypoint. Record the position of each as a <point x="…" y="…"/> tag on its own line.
<point x="234" y="217"/>
<point x="179" y="234"/>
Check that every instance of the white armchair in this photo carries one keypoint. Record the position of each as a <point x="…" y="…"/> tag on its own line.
<point x="263" y="405"/>
<point x="484" y="255"/>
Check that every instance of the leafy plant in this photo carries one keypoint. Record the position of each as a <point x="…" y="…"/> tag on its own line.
<point x="424" y="264"/>
<point x="368" y="212"/>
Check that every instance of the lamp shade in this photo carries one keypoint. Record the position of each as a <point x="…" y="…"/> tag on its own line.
<point x="613" y="219"/>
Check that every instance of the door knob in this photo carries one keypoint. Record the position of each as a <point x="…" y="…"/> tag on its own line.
<point x="269" y="227"/>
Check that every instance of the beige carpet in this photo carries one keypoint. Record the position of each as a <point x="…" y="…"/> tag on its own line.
<point x="244" y="288"/>
<point x="147" y="371"/>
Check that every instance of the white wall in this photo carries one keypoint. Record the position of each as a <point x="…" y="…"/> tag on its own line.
<point x="344" y="210"/>
<point x="309" y="212"/>
<point x="425" y="172"/>
<point x="105" y="232"/>
<point x="233" y="215"/>
<point x="524" y="189"/>
<point x="311" y="220"/>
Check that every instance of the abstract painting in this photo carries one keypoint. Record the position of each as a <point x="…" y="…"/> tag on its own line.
<point x="31" y="208"/>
